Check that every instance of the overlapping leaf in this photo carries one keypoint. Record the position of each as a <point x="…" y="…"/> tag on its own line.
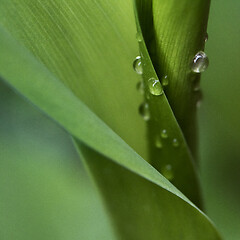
<point x="79" y="65"/>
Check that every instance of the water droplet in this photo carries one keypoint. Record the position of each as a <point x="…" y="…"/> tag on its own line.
<point x="144" y="111"/>
<point x="167" y="172"/>
<point x="155" y="87"/>
<point x="199" y="103"/>
<point x="158" y="142"/>
<point x="175" y="142"/>
<point x="164" y="133"/>
<point x="196" y="86"/>
<point x="206" y="37"/>
<point x="199" y="97"/>
<point x="138" y="37"/>
<point x="164" y="81"/>
<point x="200" y="62"/>
<point x="140" y="87"/>
<point x="137" y="65"/>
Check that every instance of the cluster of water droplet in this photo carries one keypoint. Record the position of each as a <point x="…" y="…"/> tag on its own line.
<point x="166" y="170"/>
<point x="155" y="88"/>
<point x="164" y="135"/>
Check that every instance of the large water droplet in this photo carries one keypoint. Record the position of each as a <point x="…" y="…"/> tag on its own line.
<point x="200" y="62"/>
<point x="144" y="111"/>
<point x="137" y="65"/>
<point x="175" y="142"/>
<point x="164" y="133"/>
<point x="155" y="87"/>
<point x="138" y="37"/>
<point x="158" y="142"/>
<point x="167" y="172"/>
<point x="164" y="81"/>
<point x="140" y="87"/>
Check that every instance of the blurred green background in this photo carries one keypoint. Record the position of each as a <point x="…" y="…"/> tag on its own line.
<point x="219" y="119"/>
<point x="46" y="194"/>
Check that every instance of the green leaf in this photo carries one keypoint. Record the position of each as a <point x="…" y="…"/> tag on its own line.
<point x="179" y="33"/>
<point x="66" y="86"/>
<point x="63" y="37"/>
<point x="44" y="192"/>
<point x="88" y="47"/>
<point x="163" y="119"/>
<point x="60" y="104"/>
<point x="142" y="209"/>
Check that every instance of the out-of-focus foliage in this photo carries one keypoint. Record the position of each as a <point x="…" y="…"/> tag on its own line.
<point x="45" y="192"/>
<point x="219" y="119"/>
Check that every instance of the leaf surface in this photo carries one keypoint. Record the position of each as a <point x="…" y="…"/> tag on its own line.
<point x="169" y="150"/>
<point x="60" y="80"/>
<point x="179" y="29"/>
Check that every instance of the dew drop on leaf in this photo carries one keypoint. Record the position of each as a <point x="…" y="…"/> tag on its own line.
<point x="175" y="142"/>
<point x="164" y="81"/>
<point x="164" y="133"/>
<point x="200" y="62"/>
<point x="167" y="172"/>
<point x="155" y="87"/>
<point x="196" y="86"/>
<point x="144" y="111"/>
<point x="206" y="37"/>
<point x="139" y="37"/>
<point x="137" y="65"/>
<point x="158" y="142"/>
<point x="199" y="103"/>
<point x="199" y="97"/>
<point x="140" y="87"/>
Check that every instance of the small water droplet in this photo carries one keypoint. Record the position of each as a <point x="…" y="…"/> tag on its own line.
<point x="199" y="97"/>
<point x="155" y="87"/>
<point x="175" y="142"/>
<point x="137" y="65"/>
<point x="200" y="62"/>
<point x="158" y="142"/>
<point x="164" y="80"/>
<point x="164" y="133"/>
<point x="199" y="103"/>
<point x="206" y="37"/>
<point x="140" y="87"/>
<point x="167" y="172"/>
<point x="144" y="111"/>
<point x="138" y="37"/>
<point x="196" y="86"/>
